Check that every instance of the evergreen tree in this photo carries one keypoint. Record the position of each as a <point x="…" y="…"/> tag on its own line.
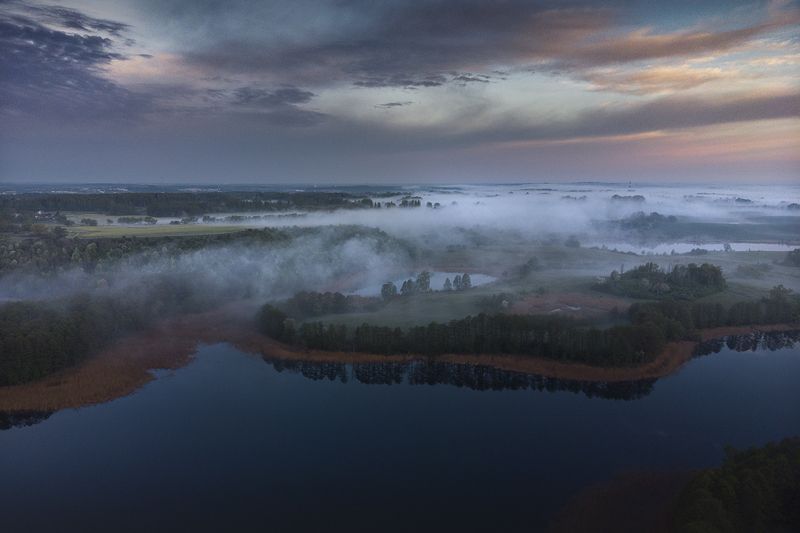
<point x="388" y="291"/>
<point x="423" y="283"/>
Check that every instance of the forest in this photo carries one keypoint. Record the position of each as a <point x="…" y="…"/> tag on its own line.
<point x="651" y="325"/>
<point x="38" y="338"/>
<point x="179" y="204"/>
<point x="678" y="319"/>
<point x="52" y="250"/>
<point x="651" y="281"/>
<point x="754" y="490"/>
<point x="545" y="336"/>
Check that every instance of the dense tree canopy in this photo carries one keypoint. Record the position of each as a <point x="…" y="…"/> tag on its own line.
<point x="652" y="324"/>
<point x="651" y="281"/>
<point x="39" y="338"/>
<point x="754" y="490"/>
<point x="177" y="204"/>
<point x="545" y="336"/>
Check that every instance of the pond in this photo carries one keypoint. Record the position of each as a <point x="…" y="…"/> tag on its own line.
<point x="685" y="247"/>
<point x="235" y="441"/>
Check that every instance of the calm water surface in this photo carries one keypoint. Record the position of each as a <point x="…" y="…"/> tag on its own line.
<point x="234" y="442"/>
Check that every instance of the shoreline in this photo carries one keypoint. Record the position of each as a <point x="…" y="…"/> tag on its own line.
<point x="127" y="364"/>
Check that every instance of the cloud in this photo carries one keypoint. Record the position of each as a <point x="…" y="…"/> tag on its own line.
<point x="279" y="97"/>
<point x="401" y="80"/>
<point x="391" y="105"/>
<point x="421" y="44"/>
<point x="404" y="44"/>
<point x="667" y="113"/>
<point x="643" y="44"/>
<point x="50" y="72"/>
<point x="463" y="79"/>
<point x="651" y="80"/>
<point x="279" y="105"/>
<point x="75" y="20"/>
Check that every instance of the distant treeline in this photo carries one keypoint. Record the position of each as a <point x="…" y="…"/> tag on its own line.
<point x="178" y="204"/>
<point x="39" y="338"/>
<point x="553" y="337"/>
<point x="793" y="258"/>
<point x="754" y="490"/>
<point x="651" y="281"/>
<point x="50" y="251"/>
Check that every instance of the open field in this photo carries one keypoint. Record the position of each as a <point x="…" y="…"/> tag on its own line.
<point x="564" y="285"/>
<point x="159" y="230"/>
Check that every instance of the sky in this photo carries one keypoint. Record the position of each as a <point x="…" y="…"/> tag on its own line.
<point x="361" y="91"/>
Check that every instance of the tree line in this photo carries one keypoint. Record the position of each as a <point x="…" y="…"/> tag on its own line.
<point x="754" y="490"/>
<point x="306" y="304"/>
<point x="560" y="338"/>
<point x="177" y="204"/>
<point x="679" y="319"/>
<point x="423" y="284"/>
<point x="38" y="338"/>
<point x="53" y="250"/>
<point x="651" y="281"/>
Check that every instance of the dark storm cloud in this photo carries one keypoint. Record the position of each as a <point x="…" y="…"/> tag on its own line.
<point x="53" y="64"/>
<point x="416" y="44"/>
<point x="669" y="113"/>
<point x="50" y="72"/>
<point x="409" y="44"/>
<point x="279" y="97"/>
<point x="75" y="20"/>
<point x="401" y="80"/>
<point x="392" y="105"/>
<point x="279" y="106"/>
<point x="471" y="78"/>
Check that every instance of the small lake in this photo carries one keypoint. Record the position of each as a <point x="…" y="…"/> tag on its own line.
<point x="437" y="282"/>
<point x="685" y="247"/>
<point x="238" y="442"/>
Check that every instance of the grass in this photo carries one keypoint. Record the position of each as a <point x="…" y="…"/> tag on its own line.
<point x="159" y="230"/>
<point x="568" y="271"/>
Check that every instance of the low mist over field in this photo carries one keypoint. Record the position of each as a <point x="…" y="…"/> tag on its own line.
<point x="429" y="265"/>
<point x="417" y="228"/>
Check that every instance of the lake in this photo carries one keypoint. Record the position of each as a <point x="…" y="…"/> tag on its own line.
<point x="685" y="247"/>
<point x="239" y="442"/>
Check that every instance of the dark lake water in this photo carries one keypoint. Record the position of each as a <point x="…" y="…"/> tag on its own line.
<point x="236" y="442"/>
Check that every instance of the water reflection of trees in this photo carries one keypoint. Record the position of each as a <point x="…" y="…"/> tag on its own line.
<point x="475" y="377"/>
<point x="22" y="418"/>
<point x="750" y="342"/>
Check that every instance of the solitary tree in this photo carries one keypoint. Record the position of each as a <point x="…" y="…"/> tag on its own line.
<point x="424" y="281"/>
<point x="408" y="287"/>
<point x="466" y="282"/>
<point x="457" y="282"/>
<point x="447" y="285"/>
<point x="388" y="291"/>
